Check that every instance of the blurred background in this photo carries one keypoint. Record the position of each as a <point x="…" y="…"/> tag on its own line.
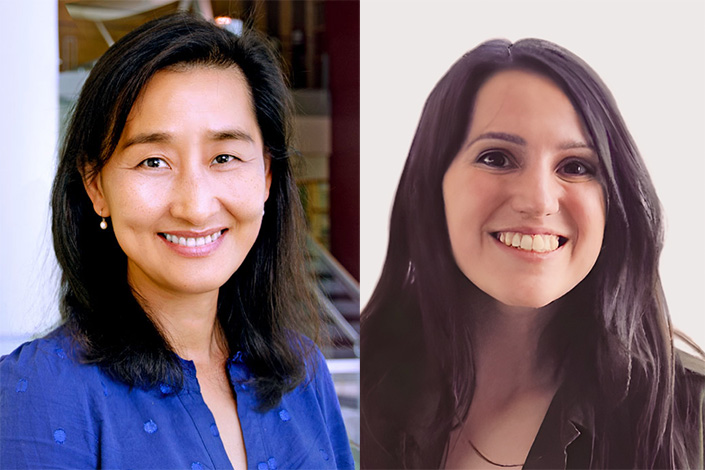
<point x="48" y="50"/>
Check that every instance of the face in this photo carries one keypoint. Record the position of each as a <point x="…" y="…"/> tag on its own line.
<point x="523" y="198"/>
<point x="186" y="186"/>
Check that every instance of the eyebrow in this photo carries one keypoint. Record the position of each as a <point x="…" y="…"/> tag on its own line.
<point x="515" y="139"/>
<point x="512" y="138"/>
<point x="165" y="137"/>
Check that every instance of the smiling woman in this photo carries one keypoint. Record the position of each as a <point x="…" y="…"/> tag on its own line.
<point x="523" y="198"/>
<point x="519" y="320"/>
<point x="189" y="168"/>
<point x="188" y="329"/>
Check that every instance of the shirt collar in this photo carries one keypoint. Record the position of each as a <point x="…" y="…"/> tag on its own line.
<point x="565" y="432"/>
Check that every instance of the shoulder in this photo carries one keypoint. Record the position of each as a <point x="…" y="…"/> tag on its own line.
<point x="52" y="356"/>
<point x="690" y="402"/>
<point x="690" y="378"/>
<point x="314" y="405"/>
<point x="692" y="364"/>
<point x="47" y="369"/>
<point x="46" y="400"/>
<point x="316" y="368"/>
<point x="318" y="379"/>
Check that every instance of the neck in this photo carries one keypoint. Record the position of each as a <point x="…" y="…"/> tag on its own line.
<point x="189" y="323"/>
<point x="510" y="350"/>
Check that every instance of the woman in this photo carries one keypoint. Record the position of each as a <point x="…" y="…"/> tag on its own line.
<point x="519" y="320"/>
<point x="185" y="308"/>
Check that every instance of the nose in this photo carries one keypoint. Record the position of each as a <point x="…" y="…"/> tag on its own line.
<point x="193" y="197"/>
<point x="536" y="192"/>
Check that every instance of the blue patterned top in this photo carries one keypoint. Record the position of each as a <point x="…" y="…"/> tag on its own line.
<point x="59" y="413"/>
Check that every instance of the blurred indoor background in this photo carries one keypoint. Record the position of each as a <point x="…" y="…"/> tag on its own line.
<point x="48" y="51"/>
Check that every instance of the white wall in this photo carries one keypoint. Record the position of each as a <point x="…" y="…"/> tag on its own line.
<point x="650" y="54"/>
<point x="28" y="142"/>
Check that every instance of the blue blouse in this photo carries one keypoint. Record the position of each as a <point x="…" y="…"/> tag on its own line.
<point x="59" y="413"/>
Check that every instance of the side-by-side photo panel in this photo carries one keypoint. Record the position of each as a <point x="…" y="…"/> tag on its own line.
<point x="530" y="181"/>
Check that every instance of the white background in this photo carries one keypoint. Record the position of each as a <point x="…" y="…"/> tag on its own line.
<point x="29" y="133"/>
<point x="651" y="55"/>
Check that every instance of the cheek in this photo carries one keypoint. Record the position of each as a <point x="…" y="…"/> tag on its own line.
<point x="590" y="214"/>
<point x="470" y="201"/>
<point x="134" y="201"/>
<point x="243" y="196"/>
<point x="470" y="198"/>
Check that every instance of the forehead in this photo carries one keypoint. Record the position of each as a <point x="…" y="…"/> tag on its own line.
<point x="182" y="79"/>
<point x="524" y="102"/>
<point x="194" y="99"/>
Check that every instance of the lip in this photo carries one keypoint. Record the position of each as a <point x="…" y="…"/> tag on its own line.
<point x="194" y="251"/>
<point x="193" y="234"/>
<point x="524" y="230"/>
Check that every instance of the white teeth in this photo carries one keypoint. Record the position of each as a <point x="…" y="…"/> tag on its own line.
<point x="526" y="242"/>
<point x="516" y="240"/>
<point x="553" y="243"/>
<point x="540" y="243"/>
<point x="191" y="242"/>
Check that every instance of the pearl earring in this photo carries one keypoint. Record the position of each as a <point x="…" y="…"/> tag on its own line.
<point x="103" y="223"/>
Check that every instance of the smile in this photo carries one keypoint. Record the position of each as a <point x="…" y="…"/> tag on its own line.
<point x="192" y="241"/>
<point x="539" y="243"/>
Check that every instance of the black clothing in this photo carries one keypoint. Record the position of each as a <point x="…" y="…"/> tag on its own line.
<point x="565" y="439"/>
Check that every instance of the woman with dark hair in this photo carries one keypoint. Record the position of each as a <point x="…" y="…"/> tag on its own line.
<point x="186" y="315"/>
<point x="519" y="320"/>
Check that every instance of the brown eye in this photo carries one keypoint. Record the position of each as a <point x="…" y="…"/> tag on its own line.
<point x="223" y="158"/>
<point x="577" y="168"/>
<point x="153" y="163"/>
<point x="494" y="159"/>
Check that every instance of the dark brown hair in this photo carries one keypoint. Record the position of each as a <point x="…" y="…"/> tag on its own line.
<point x="416" y="346"/>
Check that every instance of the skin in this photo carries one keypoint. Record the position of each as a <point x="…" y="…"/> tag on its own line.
<point x="191" y="162"/>
<point x="526" y="167"/>
<point x="547" y="185"/>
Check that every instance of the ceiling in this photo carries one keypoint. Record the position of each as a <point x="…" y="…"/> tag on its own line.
<point x="88" y="27"/>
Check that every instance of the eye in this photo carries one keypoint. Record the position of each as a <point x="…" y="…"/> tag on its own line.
<point x="154" y="162"/>
<point x="223" y="158"/>
<point x="577" y="168"/>
<point x="495" y="159"/>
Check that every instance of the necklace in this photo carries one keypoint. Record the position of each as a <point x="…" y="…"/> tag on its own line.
<point x="490" y="461"/>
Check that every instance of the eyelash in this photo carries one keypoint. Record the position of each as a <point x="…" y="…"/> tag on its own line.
<point x="231" y="158"/>
<point x="587" y="168"/>
<point x="146" y="162"/>
<point x="483" y="159"/>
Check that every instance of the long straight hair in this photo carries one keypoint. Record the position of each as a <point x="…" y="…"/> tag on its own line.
<point x="416" y="347"/>
<point x="265" y="308"/>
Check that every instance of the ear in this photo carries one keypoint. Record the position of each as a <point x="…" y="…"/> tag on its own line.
<point x="267" y="173"/>
<point x="94" y="187"/>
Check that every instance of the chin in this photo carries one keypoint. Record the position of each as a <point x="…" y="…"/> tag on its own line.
<point x="191" y="287"/>
<point x="533" y="300"/>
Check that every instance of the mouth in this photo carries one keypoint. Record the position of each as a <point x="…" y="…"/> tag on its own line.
<point x="538" y="243"/>
<point x="178" y="239"/>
